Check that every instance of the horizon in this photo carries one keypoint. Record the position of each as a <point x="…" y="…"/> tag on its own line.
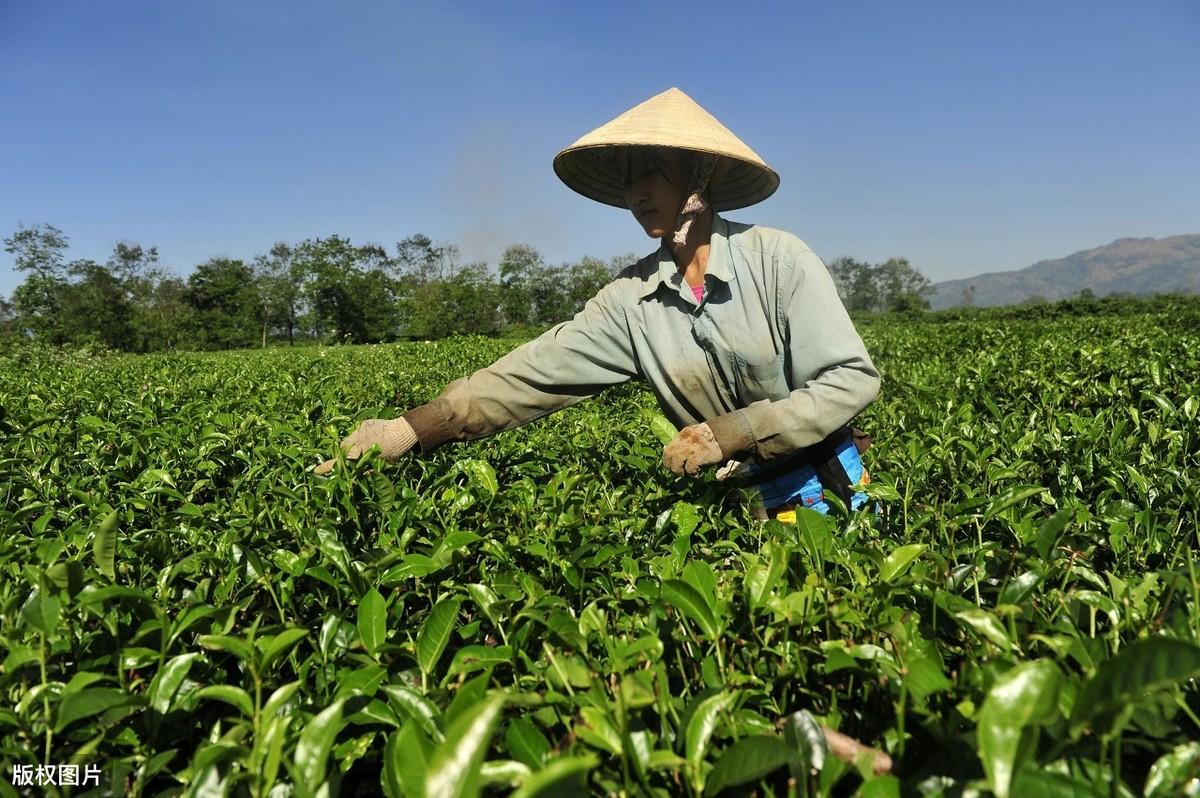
<point x="921" y="132"/>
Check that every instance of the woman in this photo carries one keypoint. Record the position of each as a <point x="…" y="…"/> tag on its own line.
<point x="738" y="329"/>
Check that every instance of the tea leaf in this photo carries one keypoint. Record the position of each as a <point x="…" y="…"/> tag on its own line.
<point x="372" y="620"/>
<point x="234" y="696"/>
<point x="562" y="777"/>
<point x="454" y="766"/>
<point x="435" y="633"/>
<point x="1138" y="669"/>
<point x="700" y="729"/>
<point x="167" y="681"/>
<point x="104" y="545"/>
<point x="747" y="760"/>
<point x="1025" y="695"/>
<point x="280" y="644"/>
<point x="526" y="743"/>
<point x="896" y="563"/>
<point x="87" y="703"/>
<point x="687" y="600"/>
<point x="41" y="612"/>
<point x="314" y="745"/>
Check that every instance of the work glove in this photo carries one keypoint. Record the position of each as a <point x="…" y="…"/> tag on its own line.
<point x="394" y="438"/>
<point x="692" y="449"/>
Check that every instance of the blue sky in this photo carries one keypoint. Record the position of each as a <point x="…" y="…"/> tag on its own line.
<point x="967" y="137"/>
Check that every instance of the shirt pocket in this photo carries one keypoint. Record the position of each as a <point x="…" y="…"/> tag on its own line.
<point x="757" y="381"/>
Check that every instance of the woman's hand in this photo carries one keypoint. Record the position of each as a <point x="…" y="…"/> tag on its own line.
<point x="692" y="449"/>
<point x="394" y="438"/>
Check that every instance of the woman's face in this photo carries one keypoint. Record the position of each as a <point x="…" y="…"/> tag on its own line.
<point x="655" y="181"/>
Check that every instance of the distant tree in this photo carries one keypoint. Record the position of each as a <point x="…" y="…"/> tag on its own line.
<point x="41" y="252"/>
<point x="40" y="249"/>
<point x="856" y="283"/>
<point x="418" y="257"/>
<point x="379" y="294"/>
<point x="326" y="264"/>
<point x="130" y="262"/>
<point x="225" y="302"/>
<point x="551" y="300"/>
<point x="619" y="262"/>
<point x="349" y="291"/>
<point x="585" y="279"/>
<point x="902" y="287"/>
<point x="280" y="291"/>
<point x="38" y="304"/>
<point x="894" y="285"/>
<point x="968" y="296"/>
<point x="373" y="294"/>
<point x="167" y="320"/>
<point x="437" y="296"/>
<point x="137" y="271"/>
<point x="470" y="302"/>
<point x="95" y="307"/>
<point x="520" y="268"/>
<point x="8" y="317"/>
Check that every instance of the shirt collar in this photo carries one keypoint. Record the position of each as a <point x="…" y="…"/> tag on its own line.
<point x="719" y="265"/>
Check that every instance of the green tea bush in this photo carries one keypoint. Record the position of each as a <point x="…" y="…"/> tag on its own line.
<point x="548" y="611"/>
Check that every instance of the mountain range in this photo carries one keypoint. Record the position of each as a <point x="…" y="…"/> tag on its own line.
<point x="1137" y="266"/>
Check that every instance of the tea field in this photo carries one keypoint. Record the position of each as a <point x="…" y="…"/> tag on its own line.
<point x="185" y="609"/>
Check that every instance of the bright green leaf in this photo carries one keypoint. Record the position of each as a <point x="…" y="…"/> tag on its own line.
<point x="700" y="728"/>
<point x="526" y="743"/>
<point x="435" y="633"/>
<point x="691" y="604"/>
<point x="89" y="702"/>
<point x="1138" y="669"/>
<point x="562" y="777"/>
<point x="281" y="644"/>
<point x="372" y="620"/>
<point x="104" y="545"/>
<point x="167" y="681"/>
<point x="454" y="766"/>
<point x="41" y="613"/>
<point x="748" y="760"/>
<point x="896" y="563"/>
<point x="314" y="745"/>
<point x="234" y="696"/>
<point x="1024" y="696"/>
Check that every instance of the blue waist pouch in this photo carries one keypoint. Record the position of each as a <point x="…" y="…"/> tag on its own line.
<point x="832" y="465"/>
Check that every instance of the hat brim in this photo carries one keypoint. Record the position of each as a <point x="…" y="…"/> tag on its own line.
<point x="592" y="171"/>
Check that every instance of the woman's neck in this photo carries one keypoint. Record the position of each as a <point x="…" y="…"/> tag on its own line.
<point x="691" y="257"/>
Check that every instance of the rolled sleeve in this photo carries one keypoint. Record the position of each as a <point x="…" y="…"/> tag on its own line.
<point x="568" y="363"/>
<point x="828" y="363"/>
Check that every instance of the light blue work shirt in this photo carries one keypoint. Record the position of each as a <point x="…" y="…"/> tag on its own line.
<point x="769" y="358"/>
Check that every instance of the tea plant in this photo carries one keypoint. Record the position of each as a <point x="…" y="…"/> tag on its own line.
<point x="549" y="612"/>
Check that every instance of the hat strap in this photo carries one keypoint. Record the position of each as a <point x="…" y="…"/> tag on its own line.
<point x="695" y="204"/>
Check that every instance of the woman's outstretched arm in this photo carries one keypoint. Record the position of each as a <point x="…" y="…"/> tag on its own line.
<point x="568" y="363"/>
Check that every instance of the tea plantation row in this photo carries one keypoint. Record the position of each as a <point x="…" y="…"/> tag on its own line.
<point x="185" y="606"/>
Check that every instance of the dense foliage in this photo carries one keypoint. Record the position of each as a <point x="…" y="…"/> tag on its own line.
<point x="892" y="286"/>
<point x="185" y="605"/>
<point x="329" y="290"/>
<point x="324" y="290"/>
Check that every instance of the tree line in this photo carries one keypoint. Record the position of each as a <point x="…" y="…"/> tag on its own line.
<point x="319" y="290"/>
<point x="894" y="286"/>
<point x="329" y="290"/>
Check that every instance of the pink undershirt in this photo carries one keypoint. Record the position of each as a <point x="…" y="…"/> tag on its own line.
<point x="698" y="292"/>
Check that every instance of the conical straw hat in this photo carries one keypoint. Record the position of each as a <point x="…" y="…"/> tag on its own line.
<point x="670" y="119"/>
